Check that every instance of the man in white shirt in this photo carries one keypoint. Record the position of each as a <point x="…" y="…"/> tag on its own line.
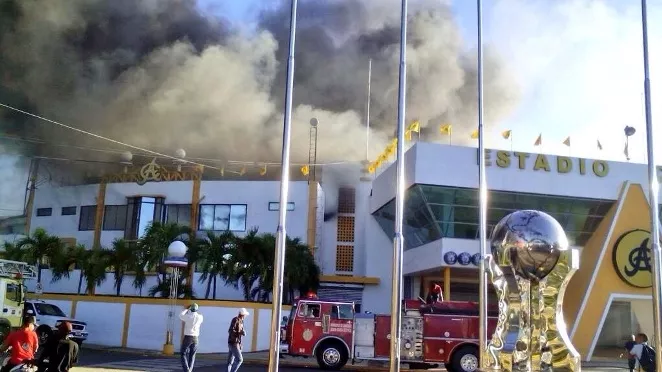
<point x="192" y="320"/>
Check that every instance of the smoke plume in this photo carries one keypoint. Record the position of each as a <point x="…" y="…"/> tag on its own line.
<point x="165" y="75"/>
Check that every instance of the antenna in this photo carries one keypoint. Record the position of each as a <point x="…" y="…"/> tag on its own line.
<point x="312" y="149"/>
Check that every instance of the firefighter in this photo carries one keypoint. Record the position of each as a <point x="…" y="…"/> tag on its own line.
<point x="434" y="295"/>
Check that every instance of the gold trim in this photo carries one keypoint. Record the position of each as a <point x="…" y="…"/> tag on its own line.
<point x="447" y="283"/>
<point x="256" y="312"/>
<point x="74" y="304"/>
<point x="312" y="216"/>
<point x="350" y="279"/>
<point x="148" y="301"/>
<point x="98" y="218"/>
<point x="125" y="330"/>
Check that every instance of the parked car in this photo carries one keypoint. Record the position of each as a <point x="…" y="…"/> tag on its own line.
<point x="49" y="316"/>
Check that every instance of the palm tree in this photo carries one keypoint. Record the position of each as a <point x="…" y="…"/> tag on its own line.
<point x="93" y="268"/>
<point x="215" y="254"/>
<point x="12" y="252"/>
<point x="301" y="271"/>
<point x="121" y="258"/>
<point x="153" y="246"/>
<point x="39" y="246"/>
<point x="76" y="256"/>
<point x="250" y="263"/>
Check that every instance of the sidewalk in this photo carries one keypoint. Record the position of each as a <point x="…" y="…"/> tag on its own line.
<point x="261" y="358"/>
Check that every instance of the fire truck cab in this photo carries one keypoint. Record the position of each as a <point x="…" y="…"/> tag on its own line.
<point x="443" y="333"/>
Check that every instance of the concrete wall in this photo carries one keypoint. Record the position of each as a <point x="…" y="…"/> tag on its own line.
<point x="140" y="323"/>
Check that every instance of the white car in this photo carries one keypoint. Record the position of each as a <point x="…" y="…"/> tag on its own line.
<point x="49" y="317"/>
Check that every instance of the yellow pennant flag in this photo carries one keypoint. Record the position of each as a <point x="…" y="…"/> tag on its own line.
<point x="305" y="170"/>
<point x="446" y="129"/>
<point x="372" y="168"/>
<point x="415" y="126"/>
<point x="263" y="171"/>
<point x="567" y="141"/>
<point x="408" y="134"/>
<point x="506" y="134"/>
<point x="222" y="171"/>
<point x="242" y="171"/>
<point x="474" y="134"/>
<point x="538" y="140"/>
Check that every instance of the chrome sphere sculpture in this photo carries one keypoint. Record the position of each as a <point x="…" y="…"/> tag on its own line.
<point x="530" y="268"/>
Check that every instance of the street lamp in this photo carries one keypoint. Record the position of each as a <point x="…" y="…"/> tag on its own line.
<point x="176" y="259"/>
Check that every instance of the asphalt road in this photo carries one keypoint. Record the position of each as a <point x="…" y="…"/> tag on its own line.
<point x="93" y="360"/>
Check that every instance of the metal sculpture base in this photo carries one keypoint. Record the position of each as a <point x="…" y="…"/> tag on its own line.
<point x="530" y="281"/>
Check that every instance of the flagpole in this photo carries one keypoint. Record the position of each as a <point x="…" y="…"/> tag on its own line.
<point x="482" y="198"/>
<point x="653" y="193"/>
<point x="398" y="239"/>
<point x="279" y="259"/>
<point x="367" y="113"/>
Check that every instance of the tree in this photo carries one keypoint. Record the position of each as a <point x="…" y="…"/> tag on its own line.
<point x="39" y="246"/>
<point x="215" y="254"/>
<point x="121" y="258"/>
<point x="301" y="271"/>
<point x="76" y="256"/>
<point x="153" y="249"/>
<point x="12" y="252"/>
<point x="251" y="267"/>
<point x="93" y="268"/>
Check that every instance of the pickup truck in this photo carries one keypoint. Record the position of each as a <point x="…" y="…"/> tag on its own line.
<point x="49" y="317"/>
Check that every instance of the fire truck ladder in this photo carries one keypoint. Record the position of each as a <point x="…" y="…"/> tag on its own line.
<point x="9" y="269"/>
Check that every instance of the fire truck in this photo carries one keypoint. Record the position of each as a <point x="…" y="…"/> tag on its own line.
<point x="442" y="333"/>
<point x="12" y="293"/>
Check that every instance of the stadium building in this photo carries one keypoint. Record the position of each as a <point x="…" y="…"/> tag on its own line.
<point x="349" y="219"/>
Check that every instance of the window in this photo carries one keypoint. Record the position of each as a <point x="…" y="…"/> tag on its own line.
<point x="48" y="310"/>
<point x="141" y="212"/>
<point x="87" y="216"/>
<point x="346" y="200"/>
<point x="114" y="218"/>
<point x="44" y="212"/>
<point x="275" y="206"/>
<point x="345" y="311"/>
<point x="345" y="258"/>
<point x="68" y="211"/>
<point x="13" y="292"/>
<point x="179" y="214"/>
<point x="223" y="217"/>
<point x="309" y="310"/>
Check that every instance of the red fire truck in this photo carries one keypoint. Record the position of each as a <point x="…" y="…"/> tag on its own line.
<point x="443" y="333"/>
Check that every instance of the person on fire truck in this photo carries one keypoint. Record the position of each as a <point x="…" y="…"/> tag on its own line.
<point x="434" y="295"/>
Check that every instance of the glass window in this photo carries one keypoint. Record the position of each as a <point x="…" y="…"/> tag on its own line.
<point x="467" y="197"/>
<point x="439" y="195"/>
<point x="275" y="206"/>
<point x="48" y="309"/>
<point x="68" y="211"/>
<point x="44" y="212"/>
<point x="13" y="292"/>
<point x="309" y="310"/>
<point x="465" y="215"/>
<point x="207" y="217"/>
<point x="503" y="200"/>
<point x="179" y="214"/>
<point x="223" y="217"/>
<point x="87" y="217"/>
<point x="142" y="212"/>
<point x="145" y="218"/>
<point x="238" y="217"/>
<point x="114" y="218"/>
<point x="344" y="311"/>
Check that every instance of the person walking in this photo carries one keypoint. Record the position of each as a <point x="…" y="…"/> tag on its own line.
<point x="192" y="320"/>
<point x="235" y="333"/>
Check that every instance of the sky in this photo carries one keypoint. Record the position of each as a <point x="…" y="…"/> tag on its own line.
<point x="578" y="64"/>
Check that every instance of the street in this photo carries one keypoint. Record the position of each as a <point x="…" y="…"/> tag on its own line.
<point x="99" y="360"/>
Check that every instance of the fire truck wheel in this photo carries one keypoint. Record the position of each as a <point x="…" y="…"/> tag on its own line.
<point x="331" y="355"/>
<point x="465" y="359"/>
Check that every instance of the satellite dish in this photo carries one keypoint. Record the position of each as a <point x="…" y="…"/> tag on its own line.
<point x="126" y="157"/>
<point x="314" y="122"/>
<point x="629" y="131"/>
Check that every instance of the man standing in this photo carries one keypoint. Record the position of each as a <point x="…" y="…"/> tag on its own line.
<point x="23" y="343"/>
<point x="192" y="320"/>
<point x="235" y="333"/>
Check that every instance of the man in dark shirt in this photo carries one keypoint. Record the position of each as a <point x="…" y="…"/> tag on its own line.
<point x="235" y="333"/>
<point x="60" y="351"/>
